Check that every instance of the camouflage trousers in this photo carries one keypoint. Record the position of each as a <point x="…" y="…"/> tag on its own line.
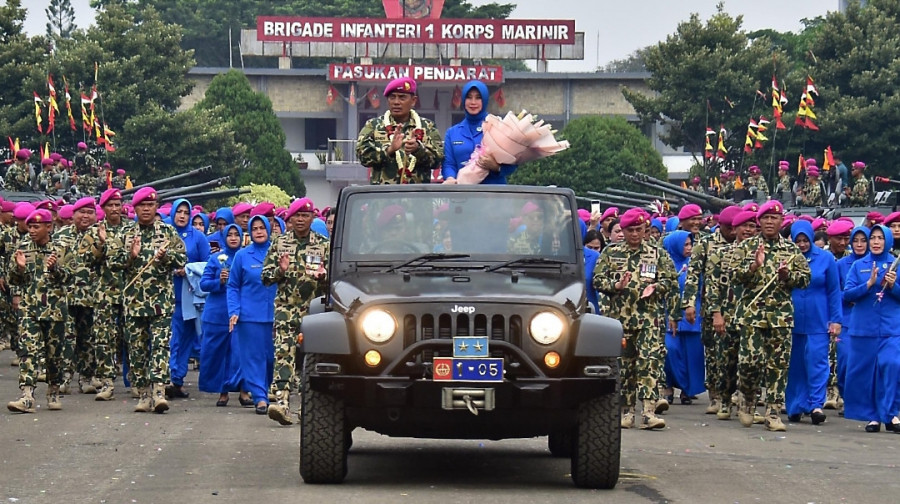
<point x="108" y="319"/>
<point x="9" y="322"/>
<point x="641" y="365"/>
<point x="712" y="356"/>
<point x="727" y="346"/>
<point x="79" y="351"/>
<point x="832" y="363"/>
<point x="148" y="349"/>
<point x="285" y="353"/>
<point x="41" y="339"/>
<point x="763" y="360"/>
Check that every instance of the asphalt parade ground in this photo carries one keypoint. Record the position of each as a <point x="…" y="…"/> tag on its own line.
<point x="103" y="452"/>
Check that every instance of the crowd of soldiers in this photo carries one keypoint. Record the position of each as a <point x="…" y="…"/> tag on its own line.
<point x="80" y="176"/>
<point x="811" y="187"/>
<point x="757" y="282"/>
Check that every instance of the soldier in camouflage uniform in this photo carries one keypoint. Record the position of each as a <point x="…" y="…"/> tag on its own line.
<point x="118" y="182"/>
<point x="84" y="162"/>
<point x="40" y="268"/>
<point x="859" y="195"/>
<point x="297" y="262"/>
<point x="727" y="185"/>
<point x="756" y="180"/>
<point x="637" y="276"/>
<point x="703" y="271"/>
<point x="48" y="178"/>
<point x="18" y="175"/>
<point x="8" y="238"/>
<point x="768" y="268"/>
<point x="96" y="249"/>
<point x="400" y="147"/>
<point x="812" y="191"/>
<point x="79" y="349"/>
<point x="784" y="180"/>
<point x="149" y="255"/>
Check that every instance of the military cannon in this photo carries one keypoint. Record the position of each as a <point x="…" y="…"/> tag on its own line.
<point x="166" y="193"/>
<point x="705" y="201"/>
<point x="167" y="180"/>
<point x="194" y="198"/>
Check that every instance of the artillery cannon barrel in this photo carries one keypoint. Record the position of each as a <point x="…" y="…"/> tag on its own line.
<point x="637" y="195"/>
<point x="693" y="198"/>
<point x="180" y="190"/>
<point x="885" y="180"/>
<point x="166" y="180"/>
<point x="716" y="203"/>
<point x="202" y="196"/>
<point x="617" y="200"/>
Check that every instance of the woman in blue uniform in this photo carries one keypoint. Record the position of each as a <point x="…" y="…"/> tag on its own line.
<point x="685" y="363"/>
<point x="218" y="352"/>
<point x="462" y="138"/>
<point x="251" y="310"/>
<point x="859" y="248"/>
<point x="873" y="362"/>
<point x="817" y="319"/>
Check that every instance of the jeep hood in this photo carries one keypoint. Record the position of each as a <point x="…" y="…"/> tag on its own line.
<point x="469" y="288"/>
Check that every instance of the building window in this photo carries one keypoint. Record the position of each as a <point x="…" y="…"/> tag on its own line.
<point x="318" y="131"/>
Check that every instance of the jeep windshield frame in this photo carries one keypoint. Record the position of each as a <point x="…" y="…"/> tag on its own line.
<point x="486" y="225"/>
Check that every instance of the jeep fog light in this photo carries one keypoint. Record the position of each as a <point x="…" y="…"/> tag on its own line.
<point x="546" y="328"/>
<point x="551" y="360"/>
<point x="378" y="326"/>
<point x="373" y="358"/>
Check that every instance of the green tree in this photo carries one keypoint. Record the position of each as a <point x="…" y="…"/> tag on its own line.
<point x="707" y="75"/>
<point x="18" y="58"/>
<point x="634" y="62"/>
<point x="602" y="148"/>
<point x="61" y="19"/>
<point x="858" y="75"/>
<point x="251" y="116"/>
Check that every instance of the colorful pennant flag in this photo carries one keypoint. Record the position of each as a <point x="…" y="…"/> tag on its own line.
<point x="37" y="111"/>
<point x="331" y="95"/>
<point x="708" y="150"/>
<point x="352" y="98"/>
<point x="722" y="151"/>
<point x="86" y="123"/>
<point x="828" y="159"/>
<point x="69" y="104"/>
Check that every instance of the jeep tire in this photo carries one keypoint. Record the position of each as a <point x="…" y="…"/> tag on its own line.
<point x="323" y="436"/>
<point x="597" y="438"/>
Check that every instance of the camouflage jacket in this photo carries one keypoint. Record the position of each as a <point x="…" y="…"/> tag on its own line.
<point x="99" y="256"/>
<point x="297" y="286"/>
<point x="759" y="183"/>
<point x="83" y="280"/>
<point x="764" y="304"/>
<point x="151" y="293"/>
<point x="859" y="195"/>
<point x="727" y="189"/>
<point x="9" y="242"/>
<point x="46" y="180"/>
<point x="523" y="243"/>
<point x="18" y="178"/>
<point x="704" y="264"/>
<point x="723" y="289"/>
<point x="43" y="291"/>
<point x="374" y="140"/>
<point x="812" y="194"/>
<point x="118" y="182"/>
<point x="648" y="264"/>
<point x="784" y="183"/>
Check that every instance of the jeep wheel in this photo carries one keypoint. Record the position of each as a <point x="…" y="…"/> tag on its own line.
<point x="323" y="440"/>
<point x="597" y="442"/>
<point x="560" y="443"/>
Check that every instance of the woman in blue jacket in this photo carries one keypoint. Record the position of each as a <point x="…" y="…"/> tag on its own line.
<point x="218" y="352"/>
<point x="873" y="362"/>
<point x="685" y="364"/>
<point x="251" y="310"/>
<point x="462" y="138"/>
<point x="859" y="248"/>
<point x="817" y="319"/>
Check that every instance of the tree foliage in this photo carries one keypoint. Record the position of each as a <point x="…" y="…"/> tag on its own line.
<point x="634" y="62"/>
<point x="250" y="115"/>
<point x="60" y="19"/>
<point x="602" y="148"/>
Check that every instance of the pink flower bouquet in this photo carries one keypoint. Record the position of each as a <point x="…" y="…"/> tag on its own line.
<point x="514" y="139"/>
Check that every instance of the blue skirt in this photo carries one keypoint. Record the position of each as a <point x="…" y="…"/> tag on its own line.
<point x="256" y="358"/>
<point x="807" y="373"/>
<point x="685" y="364"/>
<point x="871" y="392"/>
<point x="218" y="358"/>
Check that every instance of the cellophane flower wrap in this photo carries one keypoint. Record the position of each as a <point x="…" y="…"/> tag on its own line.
<point x="514" y="139"/>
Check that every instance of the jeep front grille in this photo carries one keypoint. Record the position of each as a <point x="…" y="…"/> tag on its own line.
<point x="446" y="326"/>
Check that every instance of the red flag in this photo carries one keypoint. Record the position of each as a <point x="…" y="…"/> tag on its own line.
<point x="829" y="156"/>
<point x="332" y="93"/>
<point x="499" y="98"/>
<point x="109" y="179"/>
<point x="37" y="111"/>
<point x="456" y="99"/>
<point x="69" y="105"/>
<point x="107" y="142"/>
<point x="85" y="118"/>
<point x="352" y="99"/>
<point x="372" y="97"/>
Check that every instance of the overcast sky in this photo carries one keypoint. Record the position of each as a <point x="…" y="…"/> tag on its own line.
<point x="613" y="28"/>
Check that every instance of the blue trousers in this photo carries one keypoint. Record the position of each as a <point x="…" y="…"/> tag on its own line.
<point x="871" y="392"/>
<point x="807" y="373"/>
<point x="842" y="348"/>
<point x="218" y="359"/>
<point x="256" y="358"/>
<point x="685" y="362"/>
<point x="184" y="336"/>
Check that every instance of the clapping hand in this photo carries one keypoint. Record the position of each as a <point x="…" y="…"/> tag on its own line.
<point x="624" y="281"/>
<point x="135" y="246"/>
<point x="783" y="272"/>
<point x="283" y="262"/>
<point x="101" y="232"/>
<point x="873" y="277"/>
<point x="20" y="260"/>
<point x="760" y="256"/>
<point x="51" y="261"/>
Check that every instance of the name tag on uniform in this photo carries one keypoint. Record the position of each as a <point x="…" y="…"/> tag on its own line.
<point x="29" y="256"/>
<point x="287" y="248"/>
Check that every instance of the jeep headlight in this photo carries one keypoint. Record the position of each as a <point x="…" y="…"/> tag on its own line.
<point x="546" y="328"/>
<point x="378" y="326"/>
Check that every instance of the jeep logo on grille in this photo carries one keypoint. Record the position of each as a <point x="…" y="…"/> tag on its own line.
<point x="462" y="309"/>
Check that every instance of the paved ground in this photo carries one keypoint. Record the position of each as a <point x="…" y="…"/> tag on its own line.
<point x="198" y="453"/>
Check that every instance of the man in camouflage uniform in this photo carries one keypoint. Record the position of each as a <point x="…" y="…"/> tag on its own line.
<point x="48" y="178"/>
<point x="727" y="185"/>
<point x="8" y="238"/>
<point x="84" y="162"/>
<point x="768" y="268"/>
<point x="79" y="350"/>
<point x="11" y="239"/>
<point x="118" y="181"/>
<point x="297" y="262"/>
<point x="96" y="248"/>
<point x="150" y="252"/>
<point x="636" y="276"/>
<point x="859" y="195"/>
<point x="39" y="267"/>
<point x="812" y="191"/>
<point x="400" y="147"/>
<point x="703" y="270"/>
<point x="784" y="180"/>
<point x="528" y="241"/>
<point x="756" y="180"/>
<point x="18" y="175"/>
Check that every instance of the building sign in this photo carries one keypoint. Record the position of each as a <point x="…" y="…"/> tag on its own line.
<point x="345" y="72"/>
<point x="426" y="31"/>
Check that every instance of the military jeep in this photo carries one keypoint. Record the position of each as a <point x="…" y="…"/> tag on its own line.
<point x="459" y="312"/>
